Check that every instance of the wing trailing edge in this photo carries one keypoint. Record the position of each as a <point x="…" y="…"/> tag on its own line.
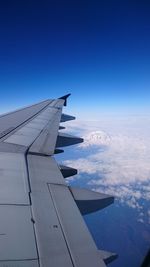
<point x="64" y="139"/>
<point x="66" y="117"/>
<point x="62" y="127"/>
<point x="90" y="201"/>
<point x="107" y="256"/>
<point x="58" y="151"/>
<point x="67" y="171"/>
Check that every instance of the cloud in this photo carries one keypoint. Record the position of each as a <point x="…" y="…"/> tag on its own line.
<point x="125" y="160"/>
<point x="140" y="220"/>
<point x="96" y="138"/>
<point x="119" y="159"/>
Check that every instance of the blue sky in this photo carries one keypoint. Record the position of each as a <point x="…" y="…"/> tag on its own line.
<point x="97" y="50"/>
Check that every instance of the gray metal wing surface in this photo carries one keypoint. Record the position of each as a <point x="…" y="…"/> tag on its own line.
<point x="41" y="220"/>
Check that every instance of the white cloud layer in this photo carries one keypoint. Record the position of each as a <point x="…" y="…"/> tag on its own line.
<point x="119" y="157"/>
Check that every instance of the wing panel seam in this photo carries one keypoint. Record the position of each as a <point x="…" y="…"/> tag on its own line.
<point x="61" y="226"/>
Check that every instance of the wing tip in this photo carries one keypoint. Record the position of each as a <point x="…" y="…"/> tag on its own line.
<point x="64" y="97"/>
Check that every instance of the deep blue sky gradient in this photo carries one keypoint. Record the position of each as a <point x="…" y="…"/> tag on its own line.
<point x="98" y="50"/>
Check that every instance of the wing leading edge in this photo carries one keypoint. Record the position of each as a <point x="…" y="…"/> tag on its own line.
<point x="42" y="222"/>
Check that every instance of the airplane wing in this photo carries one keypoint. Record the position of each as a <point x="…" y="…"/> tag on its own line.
<point x="41" y="220"/>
